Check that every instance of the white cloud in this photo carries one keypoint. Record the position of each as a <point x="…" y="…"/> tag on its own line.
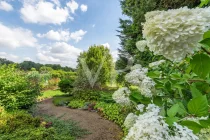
<point x="57" y="2"/>
<point x="43" y="12"/>
<point x="16" y="37"/>
<point x="63" y="35"/>
<point x="27" y="59"/>
<point x="5" y="6"/>
<point x="106" y="45"/>
<point x="93" y="25"/>
<point x="73" y="6"/>
<point x="56" y="35"/>
<point x="10" y="57"/>
<point x="78" y="35"/>
<point x="60" y="53"/>
<point x="115" y="55"/>
<point x="83" y="8"/>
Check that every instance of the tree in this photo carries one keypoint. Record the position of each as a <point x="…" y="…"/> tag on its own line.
<point x="97" y="60"/>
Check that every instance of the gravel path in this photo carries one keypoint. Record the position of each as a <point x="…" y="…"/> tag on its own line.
<point x="99" y="128"/>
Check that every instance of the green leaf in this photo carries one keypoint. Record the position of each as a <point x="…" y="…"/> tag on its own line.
<point x="182" y="110"/>
<point x="204" y="2"/>
<point x="200" y="65"/>
<point x="205" y="123"/>
<point x="205" y="43"/>
<point x="192" y="125"/>
<point x="170" y="120"/>
<point x="153" y="74"/>
<point x="198" y="106"/>
<point x="173" y="110"/>
<point x="206" y="35"/>
<point x="195" y="91"/>
<point x="158" y="101"/>
<point x="136" y="97"/>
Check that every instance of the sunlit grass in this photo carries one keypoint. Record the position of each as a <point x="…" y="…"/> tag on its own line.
<point x="50" y="94"/>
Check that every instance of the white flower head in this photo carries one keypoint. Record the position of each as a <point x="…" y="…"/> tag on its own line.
<point x="156" y="63"/>
<point x="175" y="33"/>
<point x="149" y="126"/>
<point x="183" y="133"/>
<point x="138" y="77"/>
<point x="130" y="120"/>
<point x="121" y="96"/>
<point x="140" y="107"/>
<point x="141" y="45"/>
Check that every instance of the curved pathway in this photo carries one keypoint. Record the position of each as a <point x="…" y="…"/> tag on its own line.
<point x="99" y="128"/>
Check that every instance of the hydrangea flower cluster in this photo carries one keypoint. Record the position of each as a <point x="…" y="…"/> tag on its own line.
<point x="141" y="45"/>
<point x="151" y="126"/>
<point x="139" y="78"/>
<point x="140" y="107"/>
<point x="121" y="96"/>
<point x="130" y="120"/>
<point x="183" y="133"/>
<point x="156" y="63"/>
<point x="175" y="33"/>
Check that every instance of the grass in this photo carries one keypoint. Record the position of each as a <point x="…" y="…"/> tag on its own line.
<point x="61" y="100"/>
<point x="50" y="94"/>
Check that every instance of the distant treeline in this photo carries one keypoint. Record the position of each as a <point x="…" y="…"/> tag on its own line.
<point x="28" y="65"/>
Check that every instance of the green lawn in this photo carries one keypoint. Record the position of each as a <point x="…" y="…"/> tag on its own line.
<point x="50" y="94"/>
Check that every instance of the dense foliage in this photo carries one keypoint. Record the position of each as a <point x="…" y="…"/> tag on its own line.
<point x="22" y="126"/>
<point x="16" y="89"/>
<point x="94" y="67"/>
<point x="66" y="85"/>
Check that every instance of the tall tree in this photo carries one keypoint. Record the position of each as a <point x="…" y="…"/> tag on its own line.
<point x="97" y="61"/>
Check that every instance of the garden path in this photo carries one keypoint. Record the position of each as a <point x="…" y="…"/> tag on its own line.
<point x="99" y="128"/>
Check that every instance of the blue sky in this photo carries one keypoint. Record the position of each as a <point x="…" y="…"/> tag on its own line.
<point x="56" y="31"/>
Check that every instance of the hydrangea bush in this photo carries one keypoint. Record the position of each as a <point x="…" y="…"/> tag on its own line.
<point x="172" y="102"/>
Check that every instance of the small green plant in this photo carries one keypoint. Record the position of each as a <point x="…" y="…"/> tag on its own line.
<point x="112" y="111"/>
<point x="76" y="103"/>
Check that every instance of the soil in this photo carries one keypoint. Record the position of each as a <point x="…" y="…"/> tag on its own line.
<point x="100" y="128"/>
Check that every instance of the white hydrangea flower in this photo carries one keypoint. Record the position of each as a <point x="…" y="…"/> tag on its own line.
<point x="141" y="45"/>
<point x="156" y="63"/>
<point x="183" y="133"/>
<point x="140" y="107"/>
<point x="149" y="126"/>
<point x="147" y="87"/>
<point x="121" y="96"/>
<point x="175" y="33"/>
<point x="137" y="66"/>
<point x="138" y="77"/>
<point x="130" y="120"/>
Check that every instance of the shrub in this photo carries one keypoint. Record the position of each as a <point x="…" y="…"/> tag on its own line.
<point x="17" y="90"/>
<point x="112" y="111"/>
<point x="22" y="126"/>
<point x="76" y="103"/>
<point x="66" y="85"/>
<point x="87" y="95"/>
